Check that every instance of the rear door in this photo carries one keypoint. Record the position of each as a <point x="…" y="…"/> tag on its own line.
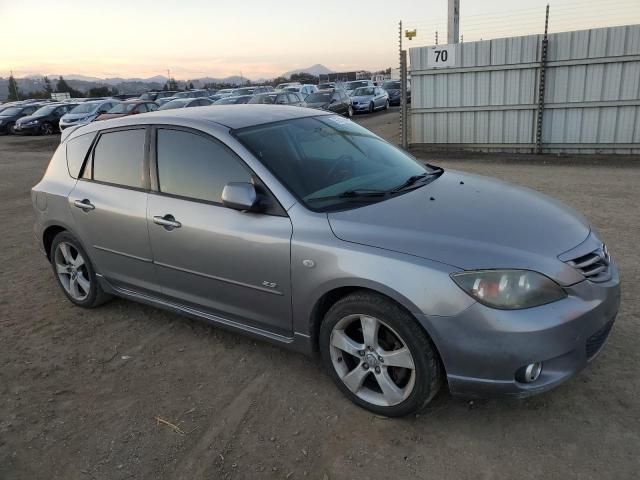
<point x="109" y="207"/>
<point x="232" y="264"/>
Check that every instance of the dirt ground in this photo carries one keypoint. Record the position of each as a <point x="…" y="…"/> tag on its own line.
<point x="80" y="390"/>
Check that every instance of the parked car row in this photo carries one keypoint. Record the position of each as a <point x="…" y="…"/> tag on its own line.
<point x="44" y="117"/>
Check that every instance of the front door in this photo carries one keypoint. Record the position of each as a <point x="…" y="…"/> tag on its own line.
<point x="229" y="263"/>
<point x="109" y="207"/>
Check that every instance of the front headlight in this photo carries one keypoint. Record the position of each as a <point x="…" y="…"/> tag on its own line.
<point x="509" y="289"/>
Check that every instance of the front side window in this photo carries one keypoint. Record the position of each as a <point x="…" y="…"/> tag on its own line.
<point x="318" y="158"/>
<point x="195" y="166"/>
<point x="118" y="158"/>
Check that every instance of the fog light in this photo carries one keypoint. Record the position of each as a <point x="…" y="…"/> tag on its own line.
<point x="530" y="373"/>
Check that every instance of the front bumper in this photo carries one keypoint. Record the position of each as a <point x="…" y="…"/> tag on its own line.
<point x="26" y="129"/>
<point x="361" y="107"/>
<point x="483" y="348"/>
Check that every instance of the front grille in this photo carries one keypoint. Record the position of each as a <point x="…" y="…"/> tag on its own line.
<point x="594" y="265"/>
<point x="595" y="341"/>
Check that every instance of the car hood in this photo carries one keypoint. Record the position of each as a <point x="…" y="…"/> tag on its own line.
<point x="361" y="98"/>
<point x="75" y="116"/>
<point x="29" y="118"/>
<point x="107" y="116"/>
<point x="471" y="222"/>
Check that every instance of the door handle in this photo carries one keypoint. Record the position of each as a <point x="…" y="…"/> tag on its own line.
<point x="84" y="204"/>
<point x="168" y="222"/>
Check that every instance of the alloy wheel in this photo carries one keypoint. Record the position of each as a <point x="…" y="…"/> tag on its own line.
<point x="47" y="129"/>
<point x="72" y="271"/>
<point x="372" y="360"/>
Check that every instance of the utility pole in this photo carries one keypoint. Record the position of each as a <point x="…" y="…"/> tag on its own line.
<point x="453" y="21"/>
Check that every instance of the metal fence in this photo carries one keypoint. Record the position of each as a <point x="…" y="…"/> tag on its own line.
<point x="488" y="98"/>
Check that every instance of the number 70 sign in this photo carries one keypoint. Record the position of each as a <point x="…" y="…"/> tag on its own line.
<point x="441" y="56"/>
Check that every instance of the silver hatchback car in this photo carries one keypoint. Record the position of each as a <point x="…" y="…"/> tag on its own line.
<point x="304" y="229"/>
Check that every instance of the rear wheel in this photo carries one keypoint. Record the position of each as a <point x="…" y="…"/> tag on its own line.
<point x="11" y="129"/>
<point x="386" y="105"/>
<point x="75" y="273"/>
<point x="371" y="107"/>
<point x="378" y="355"/>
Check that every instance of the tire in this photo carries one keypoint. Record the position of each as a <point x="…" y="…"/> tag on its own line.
<point x="65" y="251"/>
<point x="352" y="363"/>
<point x="349" y="111"/>
<point x="46" y="128"/>
<point x="10" y="130"/>
<point x="371" y="107"/>
<point x="386" y="105"/>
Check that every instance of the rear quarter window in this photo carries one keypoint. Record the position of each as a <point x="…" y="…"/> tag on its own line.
<point x="77" y="149"/>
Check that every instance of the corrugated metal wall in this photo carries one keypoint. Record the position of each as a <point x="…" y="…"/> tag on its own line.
<point x="488" y="100"/>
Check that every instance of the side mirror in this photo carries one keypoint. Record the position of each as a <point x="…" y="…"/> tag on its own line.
<point x="239" y="196"/>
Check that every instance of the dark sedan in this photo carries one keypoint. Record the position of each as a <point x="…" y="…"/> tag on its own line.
<point x="393" y="89"/>
<point x="336" y="101"/>
<point x="43" y="121"/>
<point x="9" y="116"/>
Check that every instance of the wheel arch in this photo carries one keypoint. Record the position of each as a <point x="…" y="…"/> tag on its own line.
<point x="48" y="235"/>
<point x="322" y="305"/>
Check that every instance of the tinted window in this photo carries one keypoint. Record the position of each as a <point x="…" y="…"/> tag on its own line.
<point x="119" y="158"/>
<point x="142" y="108"/>
<point x="293" y="98"/>
<point x="77" y="149"/>
<point x="195" y="166"/>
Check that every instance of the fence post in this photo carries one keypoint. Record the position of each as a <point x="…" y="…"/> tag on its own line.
<point x="404" y="117"/>
<point x="541" y="82"/>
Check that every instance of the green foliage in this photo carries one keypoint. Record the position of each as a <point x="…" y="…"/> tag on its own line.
<point x="47" y="86"/>
<point x="173" y="85"/>
<point x="304" y="78"/>
<point x="14" y="92"/>
<point x="191" y="87"/>
<point x="63" y="87"/>
<point x="279" y="80"/>
<point x="102" y="92"/>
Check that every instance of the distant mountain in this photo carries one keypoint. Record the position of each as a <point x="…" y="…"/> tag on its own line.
<point x="315" y="70"/>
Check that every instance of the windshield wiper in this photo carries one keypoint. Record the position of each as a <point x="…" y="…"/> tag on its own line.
<point x="356" y="195"/>
<point x="412" y="180"/>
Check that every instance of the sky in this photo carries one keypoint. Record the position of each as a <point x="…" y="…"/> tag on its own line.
<point x="258" y="38"/>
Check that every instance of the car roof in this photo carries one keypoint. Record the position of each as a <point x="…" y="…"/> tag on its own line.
<point x="230" y="116"/>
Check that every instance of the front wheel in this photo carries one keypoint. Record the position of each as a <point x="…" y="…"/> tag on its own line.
<point x="372" y="107"/>
<point x="46" y="128"/>
<point x="350" y="112"/>
<point x="386" y="105"/>
<point x="378" y="355"/>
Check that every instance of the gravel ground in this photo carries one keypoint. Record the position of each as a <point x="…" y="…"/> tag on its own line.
<point x="80" y="390"/>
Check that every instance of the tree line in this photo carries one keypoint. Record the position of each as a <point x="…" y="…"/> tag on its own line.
<point x="61" y="86"/>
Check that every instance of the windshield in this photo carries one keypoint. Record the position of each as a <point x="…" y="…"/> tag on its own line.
<point x="46" y="110"/>
<point x="391" y="85"/>
<point x="85" y="108"/>
<point x="123" y="108"/>
<point x="322" y="86"/>
<point x="11" y="111"/>
<point x="242" y="91"/>
<point x="179" y="103"/>
<point x="148" y="96"/>
<point x="354" y="85"/>
<point x="320" y="158"/>
<point x="269" y="98"/>
<point x="183" y="94"/>
<point x="363" y="91"/>
<point x="324" y="97"/>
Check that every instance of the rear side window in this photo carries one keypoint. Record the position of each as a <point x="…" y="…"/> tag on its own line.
<point x="77" y="149"/>
<point x="118" y="158"/>
<point x="195" y="166"/>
